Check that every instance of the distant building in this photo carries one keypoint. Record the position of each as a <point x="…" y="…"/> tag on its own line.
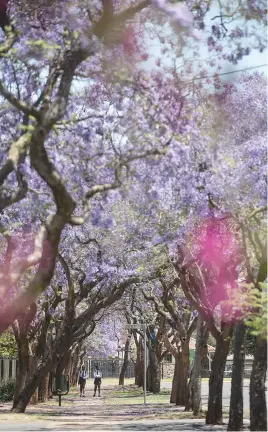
<point x="168" y="364"/>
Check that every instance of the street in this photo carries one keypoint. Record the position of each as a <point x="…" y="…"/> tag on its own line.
<point x="226" y="393"/>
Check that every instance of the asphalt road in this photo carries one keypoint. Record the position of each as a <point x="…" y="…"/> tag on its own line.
<point x="226" y="393"/>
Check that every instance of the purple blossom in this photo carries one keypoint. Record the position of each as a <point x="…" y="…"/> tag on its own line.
<point x="108" y="223"/>
<point x="96" y="216"/>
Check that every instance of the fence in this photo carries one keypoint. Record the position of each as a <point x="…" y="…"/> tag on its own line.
<point x="247" y="368"/>
<point x="8" y="368"/>
<point x="110" y="368"/>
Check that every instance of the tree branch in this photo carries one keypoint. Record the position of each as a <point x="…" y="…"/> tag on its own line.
<point x="110" y="22"/>
<point x="105" y="302"/>
<point x="19" y="104"/>
<point x="169" y="345"/>
<point x="257" y="211"/>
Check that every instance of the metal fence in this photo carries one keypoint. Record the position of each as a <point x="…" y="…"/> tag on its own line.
<point x="110" y="368"/>
<point x="247" y="368"/>
<point x="8" y="368"/>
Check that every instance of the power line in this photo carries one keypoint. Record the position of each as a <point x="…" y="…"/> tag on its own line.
<point x="228" y="73"/>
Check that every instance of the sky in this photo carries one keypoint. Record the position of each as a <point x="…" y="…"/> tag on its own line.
<point x="232" y="71"/>
<point x="254" y="59"/>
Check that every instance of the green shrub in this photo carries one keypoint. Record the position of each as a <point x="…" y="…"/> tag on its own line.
<point x="7" y="390"/>
<point x="8" y="346"/>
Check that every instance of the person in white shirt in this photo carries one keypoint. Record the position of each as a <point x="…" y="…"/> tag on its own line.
<point x="82" y="381"/>
<point x="97" y="380"/>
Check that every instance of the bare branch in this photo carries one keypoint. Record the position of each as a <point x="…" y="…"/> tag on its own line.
<point x="16" y="151"/>
<point x="46" y="93"/>
<point x="8" y="44"/>
<point x="257" y="211"/>
<point x="106" y="301"/>
<point x="169" y="345"/>
<point x="19" y="104"/>
<point x="46" y="170"/>
<point x="192" y="327"/>
<point x="123" y="162"/>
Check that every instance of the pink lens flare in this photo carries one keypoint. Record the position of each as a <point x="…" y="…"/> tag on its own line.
<point x="218" y="254"/>
<point x="26" y="255"/>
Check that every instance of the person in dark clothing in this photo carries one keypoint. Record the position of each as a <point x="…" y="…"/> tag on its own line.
<point x="82" y="381"/>
<point x="97" y="380"/>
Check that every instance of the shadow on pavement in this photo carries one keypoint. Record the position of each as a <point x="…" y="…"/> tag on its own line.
<point x="154" y="426"/>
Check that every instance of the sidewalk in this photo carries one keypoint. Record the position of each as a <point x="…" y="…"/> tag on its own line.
<point x="100" y="414"/>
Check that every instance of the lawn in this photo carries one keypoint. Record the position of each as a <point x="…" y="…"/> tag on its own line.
<point x="114" y="381"/>
<point x="133" y="395"/>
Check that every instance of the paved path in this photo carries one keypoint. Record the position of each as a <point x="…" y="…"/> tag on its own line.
<point x="98" y="415"/>
<point x="146" y="425"/>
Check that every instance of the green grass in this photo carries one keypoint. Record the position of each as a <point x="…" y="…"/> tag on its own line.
<point x="133" y="395"/>
<point x="14" y="417"/>
<point x="150" y="399"/>
<point x="114" y="381"/>
<point x="180" y="415"/>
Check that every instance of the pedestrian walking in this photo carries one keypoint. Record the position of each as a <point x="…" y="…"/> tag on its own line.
<point x="82" y="381"/>
<point x="97" y="380"/>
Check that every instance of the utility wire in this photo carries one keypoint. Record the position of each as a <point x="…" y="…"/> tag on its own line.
<point x="228" y="73"/>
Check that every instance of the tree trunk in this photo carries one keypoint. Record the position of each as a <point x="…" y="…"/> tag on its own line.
<point x="32" y="368"/>
<point x="236" y="401"/>
<point x="63" y="363"/>
<point x="74" y="367"/>
<point x="74" y="372"/>
<point x="21" y="378"/>
<point x="40" y="372"/>
<point x="182" y="389"/>
<point x="23" y="361"/>
<point x="258" y="409"/>
<point x="43" y="389"/>
<point x="205" y="363"/>
<point x="194" y="401"/>
<point x="67" y="368"/>
<point x="81" y="357"/>
<point x="125" y="362"/>
<point x="154" y="372"/>
<point x="214" y="412"/>
<point x="24" y="397"/>
<point x="175" y="380"/>
<point x="139" y="368"/>
<point x="50" y="394"/>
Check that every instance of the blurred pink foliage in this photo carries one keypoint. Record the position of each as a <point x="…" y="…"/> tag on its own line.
<point x="218" y="254"/>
